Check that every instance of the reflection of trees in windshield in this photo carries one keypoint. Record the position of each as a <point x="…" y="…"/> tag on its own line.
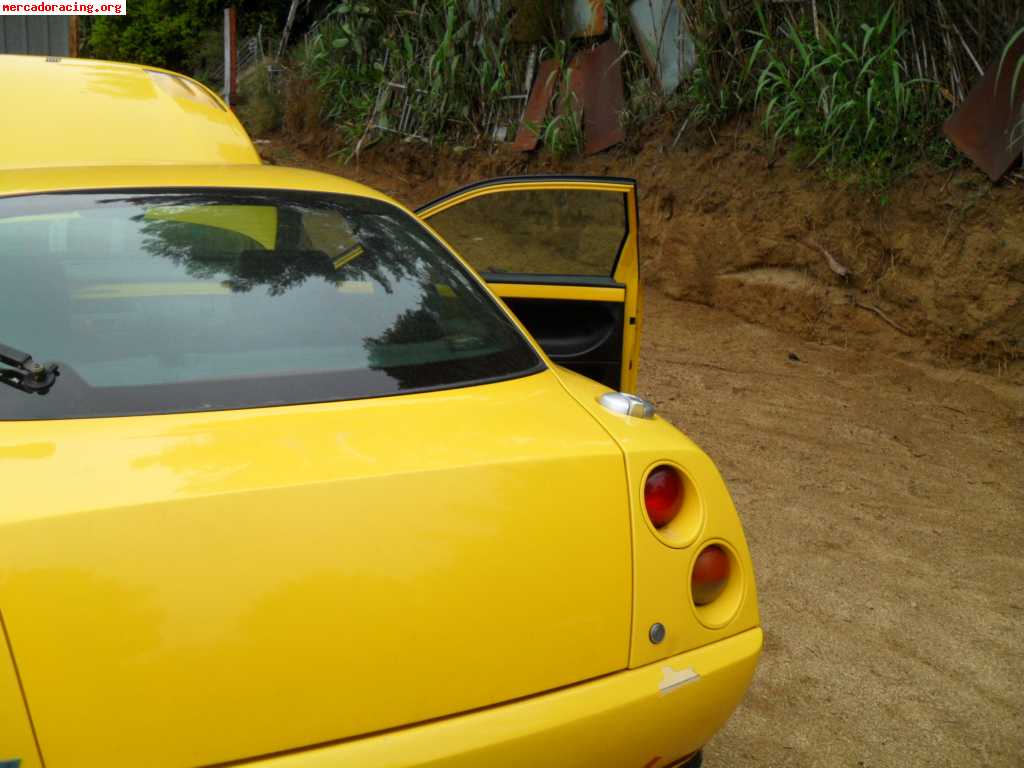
<point x="238" y="262"/>
<point x="392" y="249"/>
<point x="450" y="323"/>
<point x="420" y="324"/>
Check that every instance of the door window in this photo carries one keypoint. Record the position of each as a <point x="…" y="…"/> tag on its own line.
<point x="538" y="231"/>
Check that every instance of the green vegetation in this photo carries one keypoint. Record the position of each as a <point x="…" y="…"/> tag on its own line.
<point x="176" y="34"/>
<point x="1016" y="73"/>
<point x="850" y="104"/>
<point x="414" y="67"/>
<point x="561" y="133"/>
<point x="259" y="103"/>
<point x="160" y="33"/>
<point x="860" y="86"/>
<point x="723" y="82"/>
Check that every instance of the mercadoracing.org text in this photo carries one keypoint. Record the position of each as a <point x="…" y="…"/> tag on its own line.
<point x="63" y="9"/>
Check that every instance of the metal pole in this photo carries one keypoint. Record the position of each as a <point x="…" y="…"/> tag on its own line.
<point x="230" y="57"/>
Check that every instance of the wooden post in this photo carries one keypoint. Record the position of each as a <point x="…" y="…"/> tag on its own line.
<point x="230" y="58"/>
<point x="73" y="36"/>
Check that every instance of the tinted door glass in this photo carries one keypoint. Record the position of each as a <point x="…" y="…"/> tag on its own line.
<point x="538" y="231"/>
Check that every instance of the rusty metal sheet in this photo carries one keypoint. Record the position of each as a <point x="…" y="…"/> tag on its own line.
<point x="665" y="41"/>
<point x="586" y="18"/>
<point x="983" y="128"/>
<point x="537" y="106"/>
<point x="596" y="82"/>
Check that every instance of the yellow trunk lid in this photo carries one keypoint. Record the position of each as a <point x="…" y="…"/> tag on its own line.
<point x="199" y="588"/>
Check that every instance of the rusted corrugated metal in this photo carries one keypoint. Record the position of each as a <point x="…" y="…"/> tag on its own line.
<point x="988" y="127"/>
<point x="36" y="35"/>
<point x="596" y="82"/>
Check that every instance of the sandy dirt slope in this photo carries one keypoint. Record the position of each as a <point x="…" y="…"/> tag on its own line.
<point x="882" y="503"/>
<point x="882" y="498"/>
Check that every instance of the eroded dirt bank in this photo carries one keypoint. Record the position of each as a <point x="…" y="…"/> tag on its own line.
<point x="882" y="497"/>
<point x="936" y="269"/>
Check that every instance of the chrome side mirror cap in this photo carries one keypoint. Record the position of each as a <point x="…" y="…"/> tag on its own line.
<point x="627" y="405"/>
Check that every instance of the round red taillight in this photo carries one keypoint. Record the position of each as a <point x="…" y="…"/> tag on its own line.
<point x="710" y="574"/>
<point x="663" y="495"/>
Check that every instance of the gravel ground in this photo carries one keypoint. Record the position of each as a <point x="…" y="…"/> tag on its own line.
<point x="882" y="503"/>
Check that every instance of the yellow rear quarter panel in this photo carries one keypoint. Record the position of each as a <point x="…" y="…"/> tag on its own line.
<point x="661" y="572"/>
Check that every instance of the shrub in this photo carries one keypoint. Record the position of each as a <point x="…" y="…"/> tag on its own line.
<point x="164" y="33"/>
<point x="451" y="71"/>
<point x="851" y="103"/>
<point x="259" y="103"/>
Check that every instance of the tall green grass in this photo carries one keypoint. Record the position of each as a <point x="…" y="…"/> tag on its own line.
<point x="853" y="85"/>
<point x="456" y="69"/>
<point x="724" y="80"/>
<point x="1014" y="71"/>
<point x="850" y="102"/>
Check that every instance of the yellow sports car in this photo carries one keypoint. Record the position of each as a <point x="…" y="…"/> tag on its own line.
<point x="295" y="477"/>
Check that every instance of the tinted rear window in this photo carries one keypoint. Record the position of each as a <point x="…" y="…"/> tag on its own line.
<point x="163" y="302"/>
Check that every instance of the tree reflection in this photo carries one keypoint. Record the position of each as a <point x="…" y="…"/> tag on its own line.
<point x="423" y="323"/>
<point x="451" y="333"/>
<point x="389" y="248"/>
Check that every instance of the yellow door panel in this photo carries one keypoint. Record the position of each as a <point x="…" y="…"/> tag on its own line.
<point x="201" y="588"/>
<point x="566" y="241"/>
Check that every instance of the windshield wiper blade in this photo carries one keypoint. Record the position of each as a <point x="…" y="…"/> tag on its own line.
<point x="28" y="375"/>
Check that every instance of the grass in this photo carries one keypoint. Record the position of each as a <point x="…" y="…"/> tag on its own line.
<point x="848" y="102"/>
<point x="259" y="107"/>
<point x="452" y="72"/>
<point x="1014" y="70"/>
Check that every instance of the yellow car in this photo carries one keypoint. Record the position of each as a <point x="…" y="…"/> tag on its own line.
<point x="294" y="477"/>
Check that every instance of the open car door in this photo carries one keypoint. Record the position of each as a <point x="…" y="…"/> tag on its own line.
<point x="561" y="251"/>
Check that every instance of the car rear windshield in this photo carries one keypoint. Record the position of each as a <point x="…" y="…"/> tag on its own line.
<point x="196" y="300"/>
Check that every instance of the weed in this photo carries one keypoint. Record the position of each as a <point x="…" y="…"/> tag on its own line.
<point x="419" y="68"/>
<point x="259" y="107"/>
<point x="849" y="102"/>
<point x="1014" y="71"/>
<point x="723" y="81"/>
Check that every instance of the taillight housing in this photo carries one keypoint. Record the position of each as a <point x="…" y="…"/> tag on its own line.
<point x="663" y="495"/>
<point x="710" y="575"/>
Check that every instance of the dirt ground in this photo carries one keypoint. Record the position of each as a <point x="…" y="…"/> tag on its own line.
<point x="879" y="474"/>
<point x="882" y="502"/>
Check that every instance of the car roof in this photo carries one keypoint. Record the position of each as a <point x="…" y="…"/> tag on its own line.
<point x="27" y="181"/>
<point x="64" y="112"/>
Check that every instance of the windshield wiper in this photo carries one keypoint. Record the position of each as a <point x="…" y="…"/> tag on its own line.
<point x="28" y="375"/>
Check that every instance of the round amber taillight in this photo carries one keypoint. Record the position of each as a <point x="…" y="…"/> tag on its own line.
<point x="710" y="575"/>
